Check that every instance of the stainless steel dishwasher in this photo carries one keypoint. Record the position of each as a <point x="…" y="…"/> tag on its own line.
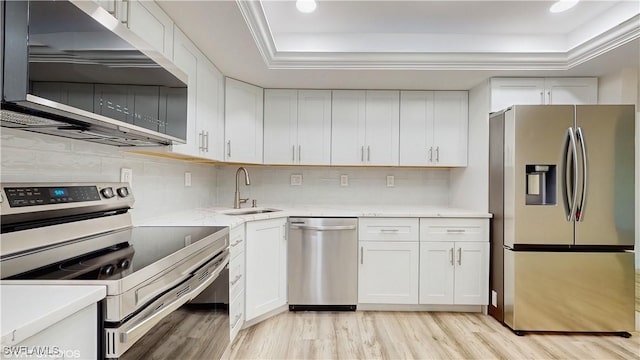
<point x="323" y="263"/>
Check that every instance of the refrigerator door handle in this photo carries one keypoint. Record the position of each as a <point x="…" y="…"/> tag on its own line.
<point x="569" y="192"/>
<point x="565" y="188"/>
<point x="583" y="147"/>
<point x="574" y="162"/>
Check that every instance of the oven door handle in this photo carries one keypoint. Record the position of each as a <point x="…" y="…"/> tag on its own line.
<point x="183" y="294"/>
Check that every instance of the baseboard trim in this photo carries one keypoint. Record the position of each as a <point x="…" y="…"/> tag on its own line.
<point x="264" y="317"/>
<point x="417" y="307"/>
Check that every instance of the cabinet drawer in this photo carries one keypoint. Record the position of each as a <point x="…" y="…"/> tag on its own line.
<point x="454" y="229"/>
<point x="388" y="229"/>
<point x="236" y="241"/>
<point x="236" y="314"/>
<point x="236" y="276"/>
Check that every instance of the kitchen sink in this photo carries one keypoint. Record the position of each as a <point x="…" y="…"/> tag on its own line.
<point x="251" y="211"/>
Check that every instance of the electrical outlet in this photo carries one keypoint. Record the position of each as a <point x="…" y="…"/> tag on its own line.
<point x="391" y="181"/>
<point x="187" y="179"/>
<point x="344" y="180"/>
<point x="296" y="179"/>
<point x="494" y="298"/>
<point x="126" y="175"/>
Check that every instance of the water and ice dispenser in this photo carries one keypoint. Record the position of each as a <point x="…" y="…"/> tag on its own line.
<point x="541" y="184"/>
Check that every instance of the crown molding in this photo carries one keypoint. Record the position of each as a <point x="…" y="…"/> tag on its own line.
<point x="258" y="25"/>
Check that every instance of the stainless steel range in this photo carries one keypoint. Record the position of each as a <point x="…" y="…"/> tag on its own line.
<point x="79" y="233"/>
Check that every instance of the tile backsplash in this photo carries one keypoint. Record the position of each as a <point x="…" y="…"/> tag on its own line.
<point x="321" y="186"/>
<point x="158" y="183"/>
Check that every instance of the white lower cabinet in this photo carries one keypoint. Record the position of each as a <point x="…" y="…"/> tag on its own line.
<point x="454" y="261"/>
<point x="237" y="241"/>
<point x="388" y="272"/>
<point x="454" y="273"/>
<point x="266" y="266"/>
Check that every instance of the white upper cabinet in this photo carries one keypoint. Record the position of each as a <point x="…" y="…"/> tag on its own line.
<point x="539" y="91"/>
<point x="365" y="127"/>
<point x="210" y="110"/>
<point x="185" y="56"/>
<point x="297" y="127"/>
<point x="243" y="122"/>
<point x="433" y="128"/>
<point x="152" y="24"/>
<point x="146" y="19"/>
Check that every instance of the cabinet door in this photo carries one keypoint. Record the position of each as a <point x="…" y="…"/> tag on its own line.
<point x="569" y="91"/>
<point x="348" y="127"/>
<point x="451" y="120"/>
<point x="416" y="128"/>
<point x="471" y="273"/>
<point x="209" y="108"/>
<point x="280" y="126"/>
<point x="149" y="22"/>
<point x="516" y="91"/>
<point x="185" y="56"/>
<point x="314" y="127"/>
<point x="266" y="265"/>
<point x="243" y="122"/>
<point x="382" y="127"/>
<point x="436" y="272"/>
<point x="388" y="272"/>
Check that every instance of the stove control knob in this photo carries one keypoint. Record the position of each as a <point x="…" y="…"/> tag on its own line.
<point x="124" y="264"/>
<point x="108" y="270"/>
<point x="107" y="193"/>
<point x="123" y="191"/>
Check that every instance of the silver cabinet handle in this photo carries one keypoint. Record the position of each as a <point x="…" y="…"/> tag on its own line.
<point x="201" y="140"/>
<point x="235" y="320"/>
<point x="293" y="153"/>
<point x="459" y="256"/>
<point x="456" y="231"/>
<point x="236" y="279"/>
<point x="369" y="153"/>
<point x="437" y="153"/>
<point x="361" y="255"/>
<point x="206" y="136"/>
<point x="229" y="148"/>
<point x="236" y="243"/>
<point x="125" y="4"/>
<point x="451" y="256"/>
<point x="541" y="97"/>
<point x="431" y="154"/>
<point x="549" y="95"/>
<point x="389" y="230"/>
<point x="362" y="153"/>
<point x="583" y="147"/>
<point x="299" y="153"/>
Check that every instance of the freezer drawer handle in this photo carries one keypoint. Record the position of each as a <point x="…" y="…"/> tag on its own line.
<point x="323" y="228"/>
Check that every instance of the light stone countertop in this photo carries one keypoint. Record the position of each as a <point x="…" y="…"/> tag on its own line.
<point x="215" y="215"/>
<point x="28" y="309"/>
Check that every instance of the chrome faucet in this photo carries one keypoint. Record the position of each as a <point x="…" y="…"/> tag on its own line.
<point x="237" y="201"/>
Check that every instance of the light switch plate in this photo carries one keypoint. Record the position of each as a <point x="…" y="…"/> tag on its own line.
<point x="126" y="175"/>
<point x="391" y="181"/>
<point x="344" y="180"/>
<point x="187" y="179"/>
<point x="296" y="179"/>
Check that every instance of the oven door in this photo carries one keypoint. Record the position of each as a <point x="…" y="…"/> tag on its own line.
<point x="121" y="336"/>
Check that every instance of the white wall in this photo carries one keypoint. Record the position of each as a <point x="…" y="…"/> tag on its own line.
<point x="158" y="183"/>
<point x="623" y="87"/>
<point x="321" y="186"/>
<point x="470" y="185"/>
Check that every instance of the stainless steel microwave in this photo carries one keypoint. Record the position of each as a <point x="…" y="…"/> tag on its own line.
<point x="71" y="69"/>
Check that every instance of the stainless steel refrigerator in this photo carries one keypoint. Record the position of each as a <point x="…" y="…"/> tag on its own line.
<point x="562" y="192"/>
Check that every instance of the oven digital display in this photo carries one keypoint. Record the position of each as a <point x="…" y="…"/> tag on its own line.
<point x="59" y="192"/>
<point x="33" y="196"/>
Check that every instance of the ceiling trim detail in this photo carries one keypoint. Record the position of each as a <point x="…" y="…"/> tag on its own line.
<point x="258" y="25"/>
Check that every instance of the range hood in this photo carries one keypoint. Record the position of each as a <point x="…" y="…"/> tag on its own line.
<point x="71" y="69"/>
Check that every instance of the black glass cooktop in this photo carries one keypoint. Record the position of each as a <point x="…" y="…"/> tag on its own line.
<point x="141" y="247"/>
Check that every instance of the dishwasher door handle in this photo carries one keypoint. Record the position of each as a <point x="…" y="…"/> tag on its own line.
<point x="323" y="228"/>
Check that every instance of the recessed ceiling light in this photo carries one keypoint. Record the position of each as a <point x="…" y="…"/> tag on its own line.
<point x="306" y="6"/>
<point x="561" y="5"/>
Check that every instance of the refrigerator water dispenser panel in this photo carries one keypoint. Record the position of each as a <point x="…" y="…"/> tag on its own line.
<point x="541" y="184"/>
